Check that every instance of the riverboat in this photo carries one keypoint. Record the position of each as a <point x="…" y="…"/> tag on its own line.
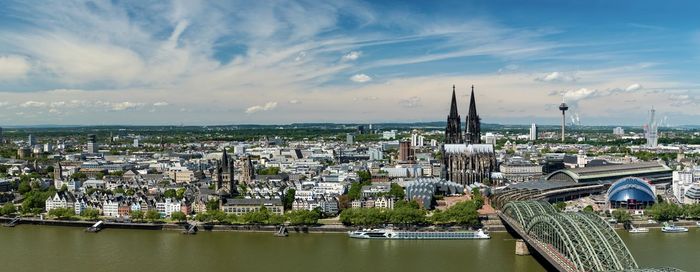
<point x="417" y="235"/>
<point x="670" y="228"/>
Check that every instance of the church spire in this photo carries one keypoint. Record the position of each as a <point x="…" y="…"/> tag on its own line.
<point x="453" y="131"/>
<point x="472" y="132"/>
<point x="453" y="106"/>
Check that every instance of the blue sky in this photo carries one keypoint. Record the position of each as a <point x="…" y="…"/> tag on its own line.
<point x="229" y="62"/>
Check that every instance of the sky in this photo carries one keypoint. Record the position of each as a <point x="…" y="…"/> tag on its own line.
<point x="278" y="62"/>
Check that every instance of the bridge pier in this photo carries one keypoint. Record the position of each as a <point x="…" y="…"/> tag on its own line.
<point x="521" y="248"/>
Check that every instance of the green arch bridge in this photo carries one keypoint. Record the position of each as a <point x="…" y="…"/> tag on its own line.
<point x="569" y="241"/>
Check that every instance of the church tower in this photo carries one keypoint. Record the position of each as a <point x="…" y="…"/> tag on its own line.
<point x="225" y="181"/>
<point x="453" y="131"/>
<point x="472" y="132"/>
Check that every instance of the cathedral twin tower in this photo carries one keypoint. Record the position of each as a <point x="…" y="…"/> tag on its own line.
<point x="472" y="131"/>
<point x="465" y="160"/>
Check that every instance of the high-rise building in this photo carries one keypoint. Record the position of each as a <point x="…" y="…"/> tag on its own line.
<point x="405" y="152"/>
<point x="472" y="132"/>
<point x="136" y="142"/>
<point x="651" y="130"/>
<point x="360" y="129"/>
<point x="618" y="131"/>
<point x="1" y="137"/>
<point x="31" y="140"/>
<point x="92" y="144"/>
<point x="417" y="140"/>
<point x="533" y="132"/>
<point x="350" y="139"/>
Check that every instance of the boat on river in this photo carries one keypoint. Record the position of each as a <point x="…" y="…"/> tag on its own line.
<point x="671" y="228"/>
<point x="638" y="230"/>
<point x="96" y="227"/>
<point x="417" y="235"/>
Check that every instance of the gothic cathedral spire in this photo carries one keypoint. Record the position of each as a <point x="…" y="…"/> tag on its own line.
<point x="472" y="132"/>
<point x="453" y="131"/>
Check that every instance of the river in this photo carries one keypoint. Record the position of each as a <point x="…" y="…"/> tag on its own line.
<point x="50" y="248"/>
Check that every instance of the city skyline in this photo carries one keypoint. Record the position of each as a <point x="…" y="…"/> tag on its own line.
<point x="131" y="63"/>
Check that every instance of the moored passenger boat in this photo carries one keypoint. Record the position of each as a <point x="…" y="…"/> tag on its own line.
<point x="418" y="235"/>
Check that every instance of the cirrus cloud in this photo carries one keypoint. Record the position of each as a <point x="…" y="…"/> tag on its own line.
<point x="12" y="67"/>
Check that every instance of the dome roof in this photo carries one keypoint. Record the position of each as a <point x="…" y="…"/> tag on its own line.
<point x="631" y="188"/>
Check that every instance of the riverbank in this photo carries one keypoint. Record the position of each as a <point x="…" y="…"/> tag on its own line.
<point x="492" y="226"/>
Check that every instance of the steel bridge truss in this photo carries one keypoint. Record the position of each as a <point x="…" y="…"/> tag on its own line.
<point x="583" y="241"/>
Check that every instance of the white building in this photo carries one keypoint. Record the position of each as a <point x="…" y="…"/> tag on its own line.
<point x="618" y="131"/>
<point x="389" y="135"/>
<point x="60" y="200"/>
<point x="533" y="132"/>
<point x="110" y="208"/>
<point x="168" y="206"/>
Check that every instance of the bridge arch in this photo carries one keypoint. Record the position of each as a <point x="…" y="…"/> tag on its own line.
<point x="524" y="211"/>
<point x="585" y="240"/>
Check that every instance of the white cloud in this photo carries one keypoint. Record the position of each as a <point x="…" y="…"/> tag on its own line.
<point x="360" y="78"/>
<point x="125" y="105"/>
<point x="572" y="96"/>
<point x="633" y="87"/>
<point x="160" y="104"/>
<point x="2" y="104"/>
<point x="32" y="104"/>
<point x="556" y="77"/>
<point x="294" y="101"/>
<point x="268" y="106"/>
<point x="352" y="55"/>
<point x="12" y="67"/>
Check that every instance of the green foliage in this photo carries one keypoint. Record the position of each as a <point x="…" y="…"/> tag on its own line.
<point x="138" y="215"/>
<point x="119" y="190"/>
<point x="269" y="171"/>
<point x="463" y="213"/>
<point x="664" y="211"/>
<point x="170" y="193"/>
<point x="180" y="193"/>
<point x="560" y="206"/>
<point x="90" y="213"/>
<point x="622" y="216"/>
<point x="8" y="209"/>
<point x="588" y="209"/>
<point x="35" y="201"/>
<point x="407" y="216"/>
<point x="303" y="217"/>
<point x="79" y="176"/>
<point x="212" y="205"/>
<point x="153" y="215"/>
<point x="363" y="216"/>
<point x="691" y="211"/>
<point x="179" y="216"/>
<point x="355" y="191"/>
<point x="24" y="187"/>
<point x="396" y="191"/>
<point x="365" y="176"/>
<point x="288" y="199"/>
<point x="477" y="198"/>
<point x="261" y="216"/>
<point x="409" y="204"/>
<point x="62" y="213"/>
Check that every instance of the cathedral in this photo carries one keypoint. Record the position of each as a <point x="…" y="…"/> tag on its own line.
<point x="465" y="160"/>
<point x="225" y="182"/>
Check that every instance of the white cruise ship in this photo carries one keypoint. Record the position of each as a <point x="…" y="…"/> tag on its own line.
<point x="417" y="235"/>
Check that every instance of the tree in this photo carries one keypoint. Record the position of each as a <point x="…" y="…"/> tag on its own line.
<point x="477" y="198"/>
<point x="665" y="211"/>
<point x="622" y="216"/>
<point x="588" y="209"/>
<point x="62" y="213"/>
<point x="303" y="217"/>
<point x="365" y="176"/>
<point x="137" y="215"/>
<point x="7" y="209"/>
<point x="64" y="188"/>
<point x="212" y="205"/>
<point x="409" y="204"/>
<point x="396" y="191"/>
<point x="179" y="216"/>
<point x="24" y="187"/>
<point x="153" y="215"/>
<point x="79" y="176"/>
<point x="90" y="213"/>
<point x="180" y="193"/>
<point x="406" y="216"/>
<point x="288" y="199"/>
<point x="257" y="217"/>
<point x="560" y="206"/>
<point x="170" y="193"/>
<point x="355" y="191"/>
<point x="343" y="202"/>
